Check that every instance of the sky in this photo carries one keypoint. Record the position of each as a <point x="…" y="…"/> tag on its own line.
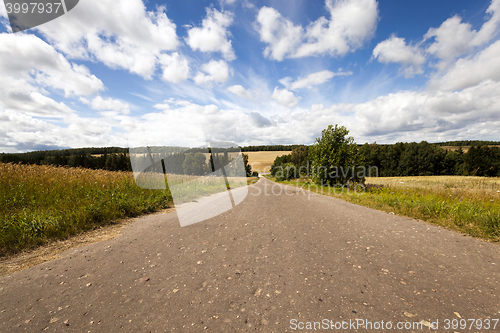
<point x="128" y="73"/>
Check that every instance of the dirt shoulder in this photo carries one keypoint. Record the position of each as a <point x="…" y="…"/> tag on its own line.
<point x="32" y="257"/>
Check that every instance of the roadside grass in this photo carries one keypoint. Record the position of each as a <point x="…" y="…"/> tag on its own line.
<point x="43" y="203"/>
<point x="470" y="205"/>
<point x="252" y="180"/>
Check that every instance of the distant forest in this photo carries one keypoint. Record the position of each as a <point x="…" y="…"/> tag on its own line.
<point x="416" y="159"/>
<point x="179" y="160"/>
<point x="270" y="148"/>
<point x="400" y="159"/>
<point x="425" y="159"/>
<point x="469" y="143"/>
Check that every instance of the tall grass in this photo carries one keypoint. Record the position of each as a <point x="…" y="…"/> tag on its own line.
<point x="42" y="203"/>
<point x="470" y="205"/>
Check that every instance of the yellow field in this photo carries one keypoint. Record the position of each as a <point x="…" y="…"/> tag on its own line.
<point x="261" y="161"/>
<point x="477" y="188"/>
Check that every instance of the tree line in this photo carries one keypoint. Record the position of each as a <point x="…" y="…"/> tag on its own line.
<point x="468" y="143"/>
<point x="270" y="148"/>
<point x="112" y="161"/>
<point x="190" y="162"/>
<point x="425" y="159"/>
<point x="335" y="158"/>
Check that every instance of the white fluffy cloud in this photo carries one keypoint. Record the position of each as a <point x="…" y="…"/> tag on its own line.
<point x="449" y="41"/>
<point x="259" y="121"/>
<point x="469" y="72"/>
<point x="175" y="67"/>
<point x="30" y="58"/>
<point x="110" y="104"/>
<point x="404" y="116"/>
<point x="23" y="98"/>
<point x="351" y="23"/>
<point x="22" y="132"/>
<point x="395" y="49"/>
<point x="213" y="36"/>
<point x="119" y="33"/>
<point x="216" y="71"/>
<point x="285" y="97"/>
<point x="312" y="79"/>
<point x="240" y="91"/>
<point x="30" y="67"/>
<point x="281" y="34"/>
<point x="454" y="38"/>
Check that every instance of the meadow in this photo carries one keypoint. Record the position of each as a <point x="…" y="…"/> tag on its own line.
<point x="470" y="205"/>
<point x="43" y="203"/>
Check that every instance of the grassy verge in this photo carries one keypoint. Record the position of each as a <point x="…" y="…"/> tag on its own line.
<point x="470" y="205"/>
<point x="252" y="180"/>
<point x="43" y="203"/>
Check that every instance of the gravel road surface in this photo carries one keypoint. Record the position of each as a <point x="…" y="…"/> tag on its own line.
<point x="280" y="261"/>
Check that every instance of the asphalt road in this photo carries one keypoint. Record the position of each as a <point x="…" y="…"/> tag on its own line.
<point x="272" y="264"/>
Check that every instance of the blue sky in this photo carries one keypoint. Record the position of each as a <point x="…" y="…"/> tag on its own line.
<point x="128" y="72"/>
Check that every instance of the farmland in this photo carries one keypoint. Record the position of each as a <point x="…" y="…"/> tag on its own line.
<point x="261" y="161"/>
<point x="43" y="203"/>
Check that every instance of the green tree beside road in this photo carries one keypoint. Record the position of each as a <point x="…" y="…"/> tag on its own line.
<point x="335" y="158"/>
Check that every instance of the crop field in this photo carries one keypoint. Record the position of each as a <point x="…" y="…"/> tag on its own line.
<point x="43" y="203"/>
<point x="470" y="205"/>
<point x="261" y="161"/>
<point x="470" y="188"/>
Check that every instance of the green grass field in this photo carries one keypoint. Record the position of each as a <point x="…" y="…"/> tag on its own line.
<point x="43" y="203"/>
<point x="470" y="205"/>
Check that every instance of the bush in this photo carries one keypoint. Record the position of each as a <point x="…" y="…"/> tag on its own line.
<point x="286" y="171"/>
<point x="335" y="158"/>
